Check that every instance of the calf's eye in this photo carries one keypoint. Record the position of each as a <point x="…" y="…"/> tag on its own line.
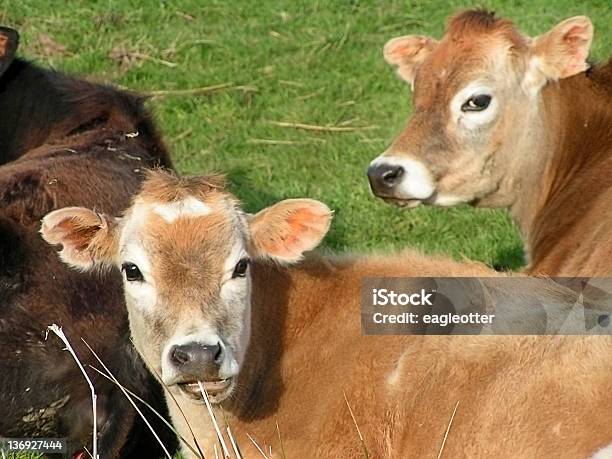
<point x="132" y="273"/>
<point x="476" y="103"/>
<point x="241" y="268"/>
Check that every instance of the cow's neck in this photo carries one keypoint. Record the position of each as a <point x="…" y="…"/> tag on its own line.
<point x="271" y="332"/>
<point x="571" y="136"/>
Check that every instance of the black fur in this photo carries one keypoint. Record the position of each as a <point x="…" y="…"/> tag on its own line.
<point x="63" y="143"/>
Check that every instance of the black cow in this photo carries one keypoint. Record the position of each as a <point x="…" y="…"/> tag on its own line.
<point x="64" y="142"/>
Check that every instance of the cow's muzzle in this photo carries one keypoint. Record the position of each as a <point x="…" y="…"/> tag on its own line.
<point x="403" y="181"/>
<point x="198" y="364"/>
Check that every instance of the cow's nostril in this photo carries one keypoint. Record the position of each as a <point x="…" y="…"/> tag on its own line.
<point x="219" y="354"/>
<point x="384" y="178"/>
<point x="180" y="356"/>
<point x="391" y="175"/>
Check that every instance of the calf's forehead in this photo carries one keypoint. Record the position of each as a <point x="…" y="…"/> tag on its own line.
<point x="187" y="233"/>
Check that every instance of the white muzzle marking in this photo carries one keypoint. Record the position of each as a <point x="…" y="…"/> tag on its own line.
<point x="416" y="181"/>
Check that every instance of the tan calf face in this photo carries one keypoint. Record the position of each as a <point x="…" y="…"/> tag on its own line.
<point x="476" y="105"/>
<point x="184" y="249"/>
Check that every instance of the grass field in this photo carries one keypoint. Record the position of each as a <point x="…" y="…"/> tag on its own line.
<point x="297" y="62"/>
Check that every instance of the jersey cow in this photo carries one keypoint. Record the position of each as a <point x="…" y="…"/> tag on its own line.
<point x="71" y="143"/>
<point x="279" y="348"/>
<point x="504" y="120"/>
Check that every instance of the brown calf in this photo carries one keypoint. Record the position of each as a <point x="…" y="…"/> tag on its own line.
<point x="95" y="141"/>
<point x="295" y="351"/>
<point x="504" y="120"/>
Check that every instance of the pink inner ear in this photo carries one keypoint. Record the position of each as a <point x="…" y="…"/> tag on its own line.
<point x="402" y="51"/>
<point x="300" y="229"/>
<point x="299" y="219"/>
<point x="576" y="39"/>
<point x="577" y="35"/>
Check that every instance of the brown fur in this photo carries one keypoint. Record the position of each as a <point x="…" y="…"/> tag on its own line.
<point x="520" y="397"/>
<point x="570" y="233"/>
<point x="163" y="187"/>
<point x="471" y="24"/>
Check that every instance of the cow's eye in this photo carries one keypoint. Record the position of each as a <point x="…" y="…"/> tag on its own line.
<point x="132" y="273"/>
<point x="476" y="103"/>
<point x="241" y="268"/>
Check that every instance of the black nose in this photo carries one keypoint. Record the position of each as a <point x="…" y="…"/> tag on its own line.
<point x="383" y="177"/>
<point x="196" y="359"/>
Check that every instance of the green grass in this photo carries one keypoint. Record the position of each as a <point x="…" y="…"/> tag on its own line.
<point x="311" y="62"/>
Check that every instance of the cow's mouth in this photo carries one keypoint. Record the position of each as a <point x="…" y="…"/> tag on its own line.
<point x="217" y="390"/>
<point x="410" y="203"/>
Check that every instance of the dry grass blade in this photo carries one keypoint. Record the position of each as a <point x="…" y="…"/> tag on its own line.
<point x="201" y="91"/>
<point x="58" y="331"/>
<point x="314" y="127"/>
<point x="450" y="423"/>
<point x="126" y="56"/>
<point x="190" y="92"/>
<point x="297" y="84"/>
<point x="280" y="440"/>
<point x="366" y="454"/>
<point x="214" y="420"/>
<point x="157" y="60"/>
<point x="146" y="421"/>
<point x="216" y="452"/>
<point x="159" y="379"/>
<point x="257" y="446"/>
<point x="155" y="412"/>
<point x="283" y="142"/>
<point x="182" y="135"/>
<point x="233" y="442"/>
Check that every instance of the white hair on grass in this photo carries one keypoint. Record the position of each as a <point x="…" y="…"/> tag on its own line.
<point x="233" y="442"/>
<point x="60" y="334"/>
<point x="450" y="423"/>
<point x="153" y="410"/>
<point x="130" y="395"/>
<point x="366" y="453"/>
<point x="130" y="400"/>
<point x="226" y="453"/>
<point x="161" y="382"/>
<point x="257" y="446"/>
<point x="280" y="440"/>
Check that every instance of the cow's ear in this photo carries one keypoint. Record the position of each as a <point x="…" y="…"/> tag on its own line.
<point x="289" y="228"/>
<point x="561" y="52"/>
<point x="89" y="239"/>
<point x="408" y="53"/>
<point x="9" y="40"/>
